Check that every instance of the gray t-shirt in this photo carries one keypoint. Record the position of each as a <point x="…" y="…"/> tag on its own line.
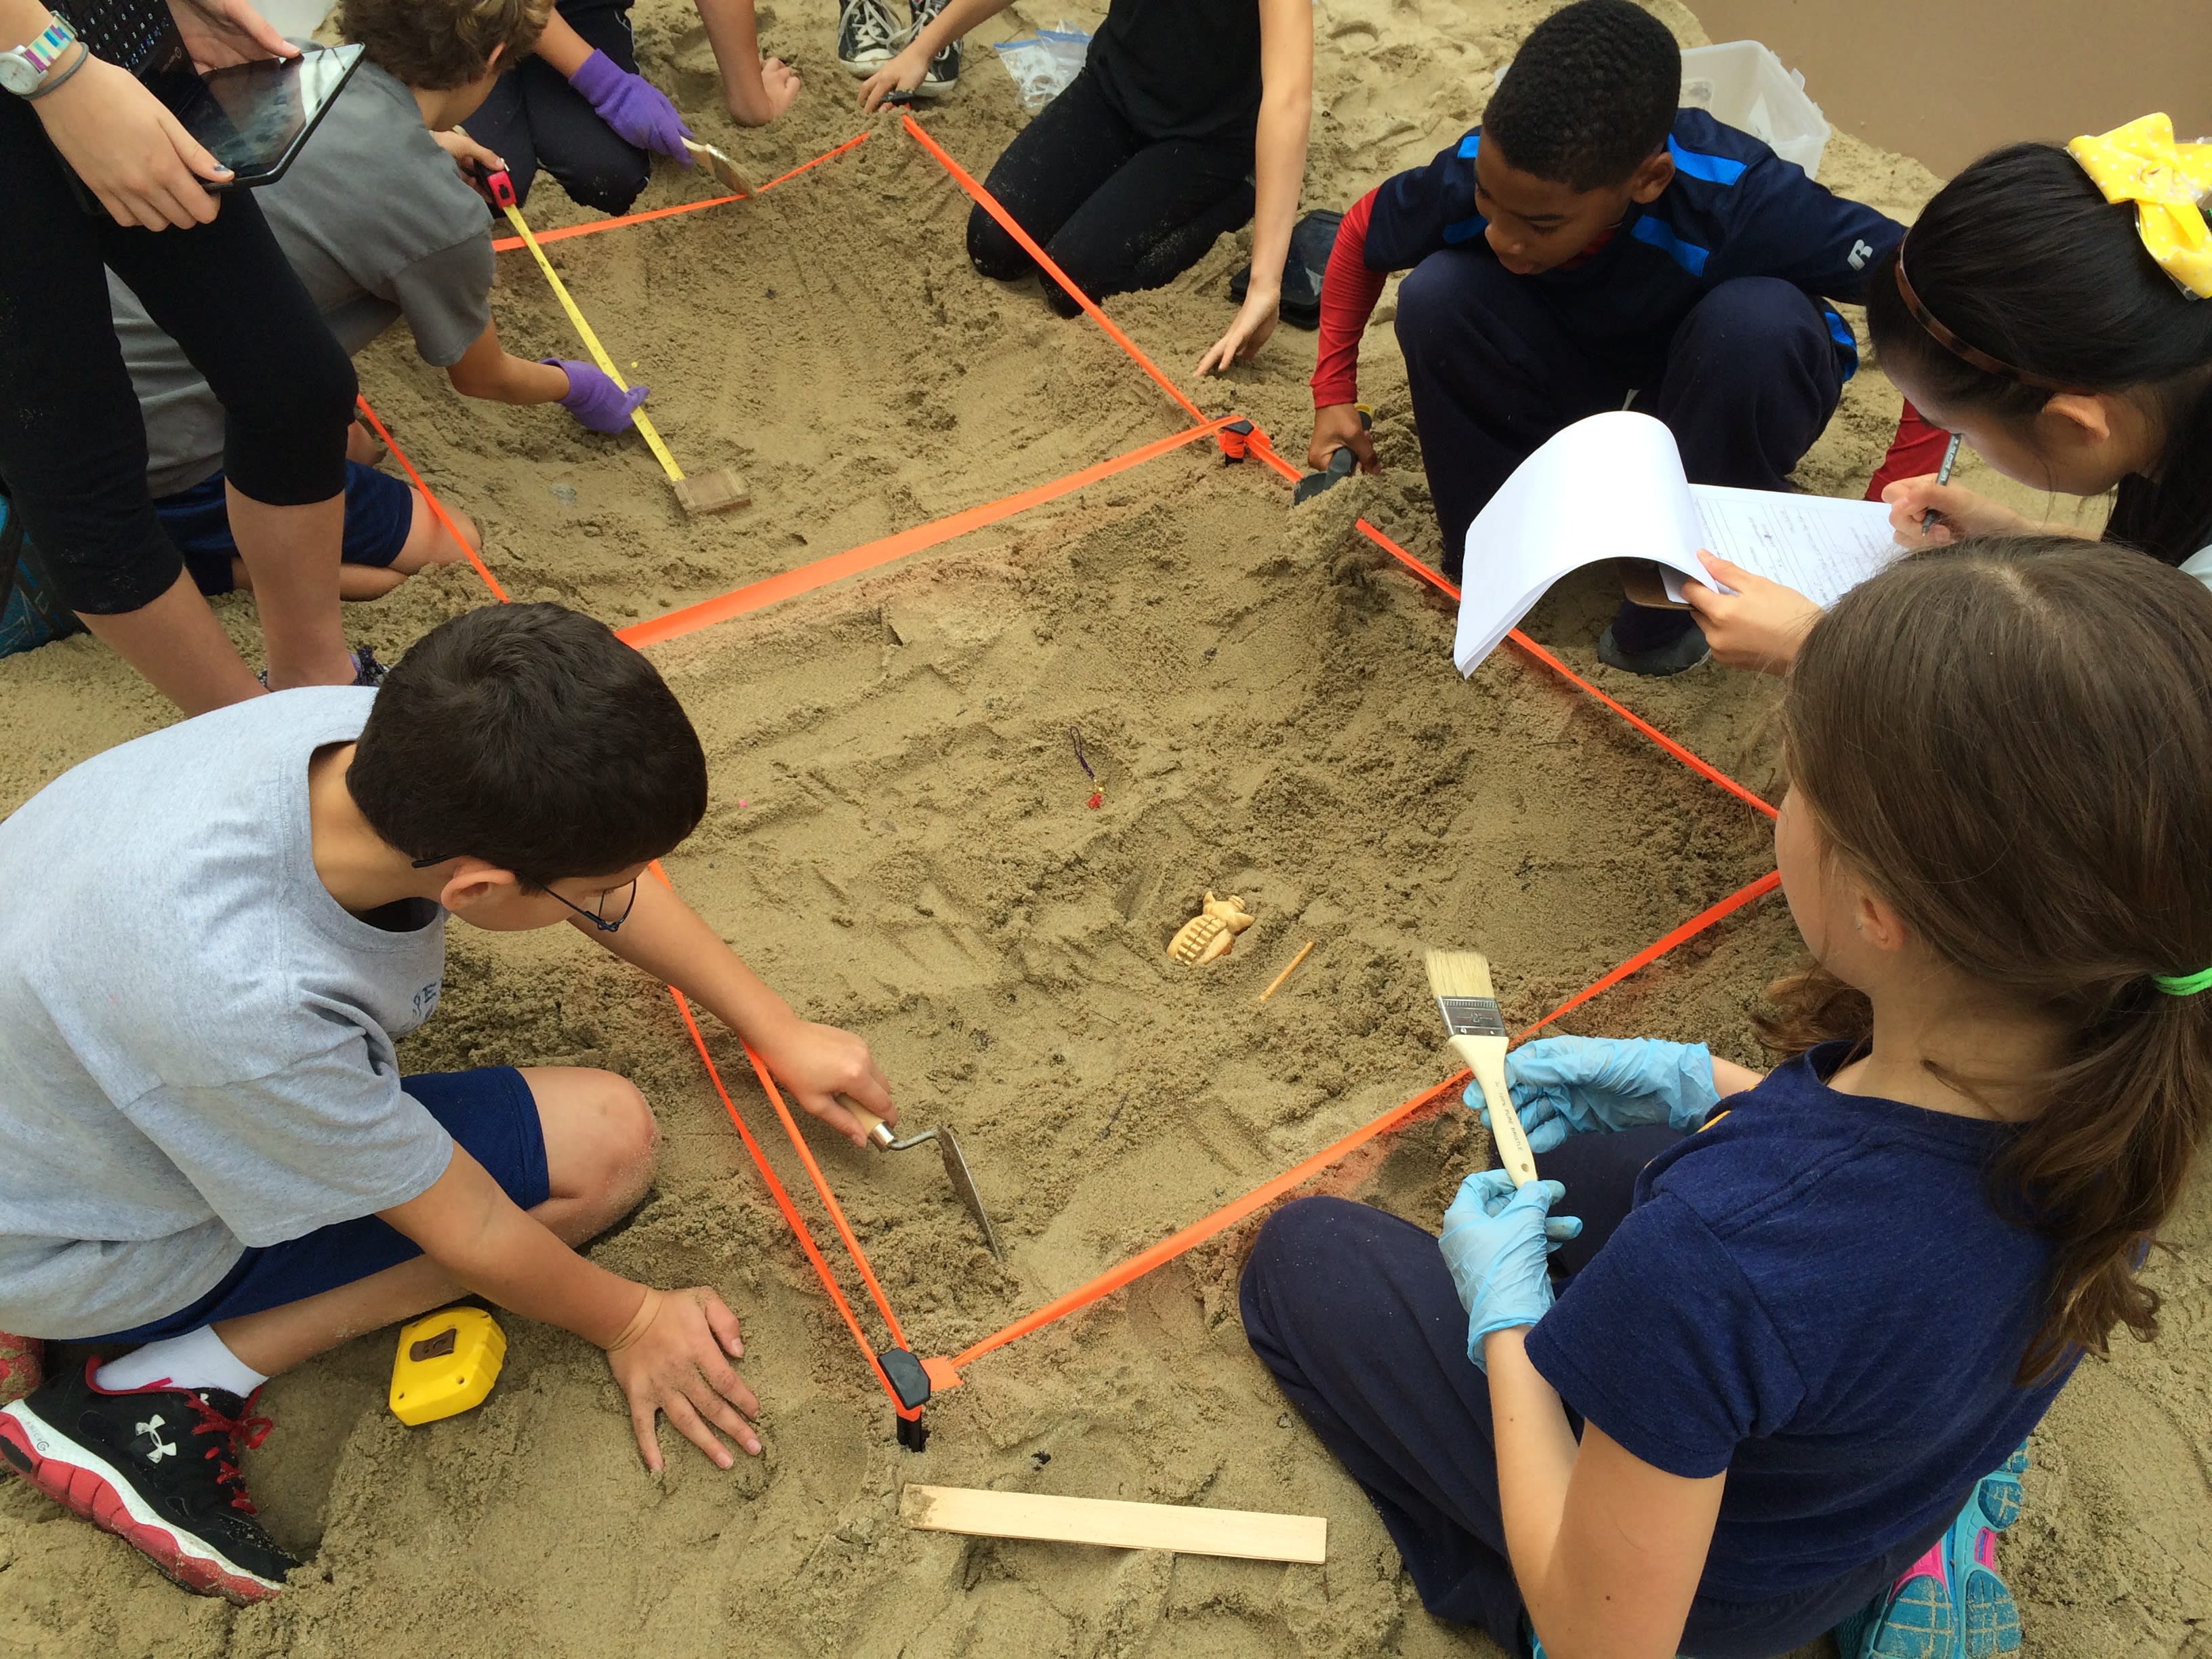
<point x="379" y="225"/>
<point x="196" y="1039"/>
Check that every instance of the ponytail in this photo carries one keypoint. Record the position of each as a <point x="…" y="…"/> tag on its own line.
<point x="2027" y="265"/>
<point x="2011" y="741"/>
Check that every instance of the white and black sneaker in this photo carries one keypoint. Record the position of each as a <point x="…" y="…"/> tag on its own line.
<point x="867" y="37"/>
<point x="943" y="72"/>
<point x="158" y="1467"/>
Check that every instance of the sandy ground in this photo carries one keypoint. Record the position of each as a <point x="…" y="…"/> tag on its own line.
<point x="899" y="841"/>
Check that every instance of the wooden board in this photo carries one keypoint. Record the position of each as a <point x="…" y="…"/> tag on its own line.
<point x="1247" y="1535"/>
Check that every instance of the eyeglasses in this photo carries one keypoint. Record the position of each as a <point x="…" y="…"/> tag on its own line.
<point x="597" y="915"/>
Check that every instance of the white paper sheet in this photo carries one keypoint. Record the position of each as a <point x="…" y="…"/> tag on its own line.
<point x="1611" y="487"/>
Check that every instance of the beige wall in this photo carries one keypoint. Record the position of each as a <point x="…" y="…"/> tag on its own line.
<point x="1944" y="80"/>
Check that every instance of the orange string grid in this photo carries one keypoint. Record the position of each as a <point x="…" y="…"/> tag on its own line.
<point x="505" y="244"/>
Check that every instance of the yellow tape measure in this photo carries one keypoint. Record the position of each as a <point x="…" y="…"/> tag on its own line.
<point x="638" y="416"/>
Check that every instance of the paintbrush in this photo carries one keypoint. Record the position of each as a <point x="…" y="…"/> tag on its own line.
<point x="1461" y="980"/>
<point x="724" y="169"/>
<point x="1942" y="476"/>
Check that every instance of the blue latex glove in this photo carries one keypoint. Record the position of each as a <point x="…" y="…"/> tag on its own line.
<point x="633" y="106"/>
<point x="1572" y="1086"/>
<point x="597" y="403"/>
<point x="1496" y="1241"/>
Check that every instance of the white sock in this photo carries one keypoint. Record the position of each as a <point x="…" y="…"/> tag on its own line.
<point x="198" y="1360"/>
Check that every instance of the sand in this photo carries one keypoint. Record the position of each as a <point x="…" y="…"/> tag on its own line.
<point x="899" y="841"/>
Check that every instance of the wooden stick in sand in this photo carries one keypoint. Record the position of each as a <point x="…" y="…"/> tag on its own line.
<point x="1276" y="984"/>
<point x="1249" y="1535"/>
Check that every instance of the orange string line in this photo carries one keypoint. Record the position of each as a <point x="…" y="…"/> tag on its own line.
<point x="870" y="555"/>
<point x="829" y="1199"/>
<point x="505" y="244"/>
<point x="437" y="508"/>
<point x="1701" y="768"/>
<point x="989" y="203"/>
<point x="1198" y="1231"/>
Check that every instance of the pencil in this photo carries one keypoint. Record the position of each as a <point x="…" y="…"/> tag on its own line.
<point x="1942" y="476"/>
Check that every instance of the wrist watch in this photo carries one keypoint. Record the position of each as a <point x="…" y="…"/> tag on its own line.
<point x="24" y="69"/>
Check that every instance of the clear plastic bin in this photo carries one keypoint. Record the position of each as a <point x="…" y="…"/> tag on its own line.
<point x="1745" y="85"/>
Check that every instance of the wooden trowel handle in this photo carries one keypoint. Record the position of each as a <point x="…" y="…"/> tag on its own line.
<point x="1486" y="1058"/>
<point x="873" y="1126"/>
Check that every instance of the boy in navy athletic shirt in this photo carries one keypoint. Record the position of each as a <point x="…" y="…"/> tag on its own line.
<point x="1588" y="245"/>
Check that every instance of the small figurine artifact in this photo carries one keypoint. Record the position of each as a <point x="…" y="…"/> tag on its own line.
<point x="1212" y="931"/>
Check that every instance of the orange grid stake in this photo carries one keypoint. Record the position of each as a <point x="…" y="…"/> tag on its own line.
<point x="945" y="1373"/>
<point x="505" y="244"/>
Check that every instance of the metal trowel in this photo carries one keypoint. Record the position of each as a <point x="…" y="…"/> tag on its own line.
<point x="948" y="1147"/>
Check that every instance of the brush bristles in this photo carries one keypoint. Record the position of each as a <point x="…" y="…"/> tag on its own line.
<point x="1459" y="974"/>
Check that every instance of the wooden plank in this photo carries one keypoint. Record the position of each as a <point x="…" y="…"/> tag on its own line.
<point x="1247" y="1535"/>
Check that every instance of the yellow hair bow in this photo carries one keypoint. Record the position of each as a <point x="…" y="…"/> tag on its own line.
<point x="2140" y="163"/>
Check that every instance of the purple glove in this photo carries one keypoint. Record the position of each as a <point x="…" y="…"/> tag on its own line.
<point x="633" y="106"/>
<point x="594" y="399"/>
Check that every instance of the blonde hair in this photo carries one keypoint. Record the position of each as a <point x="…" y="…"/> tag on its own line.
<point x="439" y="45"/>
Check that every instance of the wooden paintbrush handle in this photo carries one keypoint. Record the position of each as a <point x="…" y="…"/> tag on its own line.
<point x="1512" y="1141"/>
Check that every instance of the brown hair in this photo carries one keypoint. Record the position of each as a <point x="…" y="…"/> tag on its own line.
<point x="439" y="45"/>
<point x="2010" y="740"/>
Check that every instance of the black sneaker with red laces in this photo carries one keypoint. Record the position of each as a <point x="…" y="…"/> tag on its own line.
<point x="158" y="1467"/>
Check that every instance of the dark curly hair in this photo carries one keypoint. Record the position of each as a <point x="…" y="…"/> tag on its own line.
<point x="530" y="737"/>
<point x="1590" y="96"/>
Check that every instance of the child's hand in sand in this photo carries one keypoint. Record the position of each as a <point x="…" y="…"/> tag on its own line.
<point x="674" y="1364"/>
<point x="903" y="73"/>
<point x="1338" y="426"/>
<point x="1758" y="625"/>
<point x="817" y="1063"/>
<point x="1959" y="512"/>
<point x="1255" y="320"/>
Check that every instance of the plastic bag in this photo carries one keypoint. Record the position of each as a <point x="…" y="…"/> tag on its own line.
<point x="1043" y="63"/>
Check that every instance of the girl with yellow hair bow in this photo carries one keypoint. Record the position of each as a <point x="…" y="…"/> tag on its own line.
<point x="2053" y="307"/>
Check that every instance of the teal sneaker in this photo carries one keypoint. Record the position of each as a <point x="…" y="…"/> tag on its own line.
<point x="1949" y="1604"/>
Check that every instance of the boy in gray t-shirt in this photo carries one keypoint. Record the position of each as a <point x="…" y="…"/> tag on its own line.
<point x="376" y="219"/>
<point x="206" y="1147"/>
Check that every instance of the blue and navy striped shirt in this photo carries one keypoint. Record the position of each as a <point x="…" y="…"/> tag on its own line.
<point x="1735" y="209"/>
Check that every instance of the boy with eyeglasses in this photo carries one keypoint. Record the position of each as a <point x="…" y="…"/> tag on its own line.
<point x="206" y="1147"/>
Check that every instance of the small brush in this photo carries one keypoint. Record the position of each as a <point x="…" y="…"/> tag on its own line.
<point x="731" y="176"/>
<point x="1461" y="981"/>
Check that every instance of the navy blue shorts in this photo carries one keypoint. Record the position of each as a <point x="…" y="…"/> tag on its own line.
<point x="488" y="1110"/>
<point x="379" y="510"/>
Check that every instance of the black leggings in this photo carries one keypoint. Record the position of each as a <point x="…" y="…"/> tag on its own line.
<point x="1115" y="210"/>
<point x="72" y="446"/>
<point x="534" y="118"/>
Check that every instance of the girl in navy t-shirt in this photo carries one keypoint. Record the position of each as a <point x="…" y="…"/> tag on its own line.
<point x="1811" y="1318"/>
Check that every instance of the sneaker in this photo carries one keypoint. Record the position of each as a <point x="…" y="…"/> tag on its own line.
<point x="1677" y="656"/>
<point x="158" y="1467"/>
<point x="867" y="37"/>
<point x="1949" y="1604"/>
<point x="22" y="1366"/>
<point x="943" y="72"/>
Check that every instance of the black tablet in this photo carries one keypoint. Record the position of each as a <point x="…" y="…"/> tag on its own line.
<point x="255" y="116"/>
